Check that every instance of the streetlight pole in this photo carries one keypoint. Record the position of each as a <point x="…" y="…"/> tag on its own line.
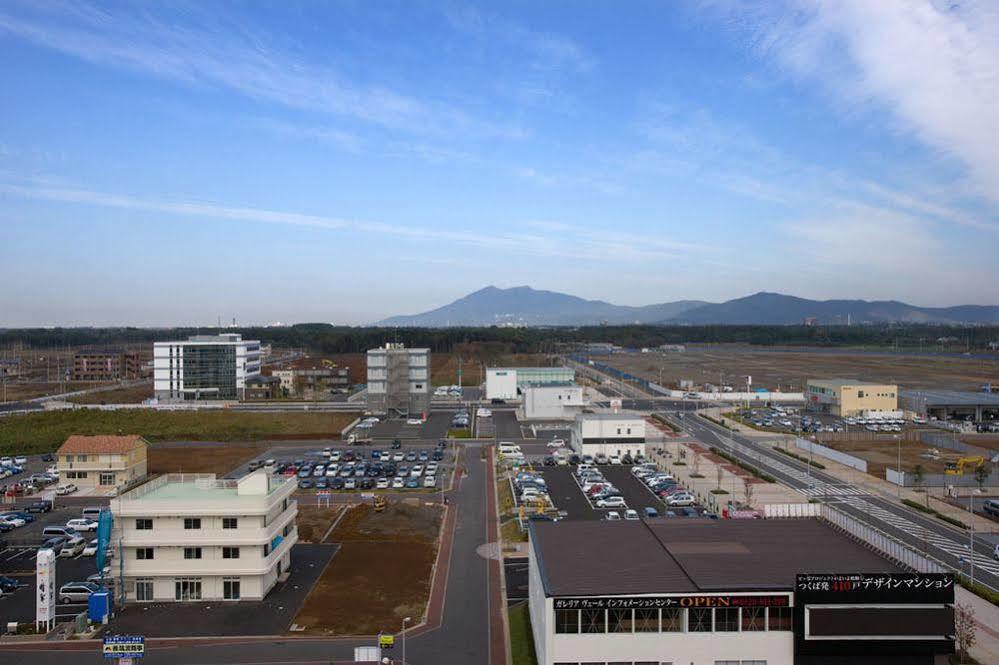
<point x="971" y="533"/>
<point x="404" y="622"/>
<point x="898" y="441"/>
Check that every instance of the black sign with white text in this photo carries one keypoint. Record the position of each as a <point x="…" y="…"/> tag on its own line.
<point x="656" y="602"/>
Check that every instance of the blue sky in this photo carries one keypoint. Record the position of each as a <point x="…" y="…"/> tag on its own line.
<point x="168" y="163"/>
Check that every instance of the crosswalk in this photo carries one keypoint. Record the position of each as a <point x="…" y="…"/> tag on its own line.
<point x="956" y="549"/>
<point x="819" y="490"/>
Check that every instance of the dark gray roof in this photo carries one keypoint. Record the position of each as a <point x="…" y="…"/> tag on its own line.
<point x="691" y="555"/>
<point x="952" y="397"/>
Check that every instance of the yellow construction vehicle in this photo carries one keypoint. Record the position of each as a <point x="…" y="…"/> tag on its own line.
<point x="380" y="504"/>
<point x="958" y="468"/>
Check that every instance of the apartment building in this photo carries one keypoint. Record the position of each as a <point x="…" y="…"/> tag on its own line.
<point x="205" y="367"/>
<point x="190" y="537"/>
<point x="312" y="377"/>
<point x="106" y="365"/>
<point x="399" y="379"/>
<point x="102" y="462"/>
<point x="849" y="397"/>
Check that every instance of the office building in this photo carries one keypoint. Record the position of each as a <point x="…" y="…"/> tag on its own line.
<point x="848" y="397"/>
<point x="608" y="434"/>
<point x="188" y="537"/>
<point x="720" y="592"/>
<point x="509" y="383"/>
<point x="205" y="367"/>
<point x="553" y="401"/>
<point x="106" y="365"/>
<point x="102" y="462"/>
<point x="399" y="380"/>
<point x="262" y="387"/>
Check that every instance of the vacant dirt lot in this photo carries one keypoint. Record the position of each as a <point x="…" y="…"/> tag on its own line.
<point x="313" y="522"/>
<point x="884" y="454"/>
<point x="788" y="369"/>
<point x="130" y="395"/>
<point x="201" y="458"/>
<point x="380" y="574"/>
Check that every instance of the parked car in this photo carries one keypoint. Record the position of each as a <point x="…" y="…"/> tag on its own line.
<point x="77" y="592"/>
<point x="90" y="549"/>
<point x="20" y="460"/>
<point x="651" y="512"/>
<point x="680" y="499"/>
<point x="991" y="507"/>
<point x="382" y="484"/>
<point x="612" y="502"/>
<point x="430" y="481"/>
<point x="72" y="547"/>
<point x="556" y="443"/>
<point x="12" y="520"/>
<point x="600" y="459"/>
<point x="68" y="488"/>
<point x="612" y="516"/>
<point x="8" y="584"/>
<point x="397" y="483"/>
<point x="350" y="483"/>
<point x="304" y="484"/>
<point x="631" y="514"/>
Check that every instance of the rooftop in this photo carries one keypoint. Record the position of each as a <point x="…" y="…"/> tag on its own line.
<point x="609" y="416"/>
<point x="690" y="555"/>
<point x="839" y="383"/>
<point x="98" y="445"/>
<point x="953" y="397"/>
<point x="205" y="487"/>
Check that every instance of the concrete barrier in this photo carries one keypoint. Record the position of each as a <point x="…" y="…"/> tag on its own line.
<point x="829" y="453"/>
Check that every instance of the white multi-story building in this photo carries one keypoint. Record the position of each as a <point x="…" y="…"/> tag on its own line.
<point x="553" y="401"/>
<point x="194" y="537"/>
<point x="608" y="434"/>
<point x="399" y="379"/>
<point x="509" y="383"/>
<point x="205" y="367"/>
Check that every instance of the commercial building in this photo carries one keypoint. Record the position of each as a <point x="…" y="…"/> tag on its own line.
<point x="718" y="592"/>
<point x="553" y="401"/>
<point x="952" y="404"/>
<point x="399" y="379"/>
<point x="608" y="434"/>
<point x="205" y="367"/>
<point x="106" y="365"/>
<point x="195" y="537"/>
<point x="102" y="462"/>
<point x="312" y="377"/>
<point x="263" y="387"/>
<point x="849" y="397"/>
<point x="509" y="383"/>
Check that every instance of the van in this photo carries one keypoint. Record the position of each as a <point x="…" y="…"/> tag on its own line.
<point x="91" y="513"/>
<point x="65" y="531"/>
<point x="507" y="447"/>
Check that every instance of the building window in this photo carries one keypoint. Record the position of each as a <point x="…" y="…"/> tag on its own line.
<point x="672" y="620"/>
<point x="230" y="552"/>
<point x="230" y="523"/>
<point x="287" y="529"/>
<point x="192" y="523"/>
<point x="699" y="620"/>
<point x="192" y="552"/>
<point x="754" y="662"/>
<point x="143" y="524"/>
<point x="187" y="588"/>
<point x="144" y="553"/>
<point x="107" y="478"/>
<point x="230" y="588"/>
<point x="143" y="588"/>
<point x="754" y="618"/>
<point x="779" y="618"/>
<point x="727" y="619"/>
<point x="727" y="662"/>
<point x="646" y="621"/>
<point x="593" y="621"/>
<point x="566" y="621"/>
<point x="284" y="505"/>
<point x="267" y="549"/>
<point x="619" y="621"/>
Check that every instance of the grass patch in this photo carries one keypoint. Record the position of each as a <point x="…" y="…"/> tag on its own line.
<point x="44" y="432"/>
<point x="521" y="636"/>
<point x="462" y="433"/>
<point x="126" y="395"/>
<point x="930" y="511"/>
<point x="506" y="502"/>
<point x="719" y="491"/>
<point x="200" y="458"/>
<point x="978" y="589"/>
<point x="742" y="465"/>
<point x="510" y="532"/>
<point x="800" y="458"/>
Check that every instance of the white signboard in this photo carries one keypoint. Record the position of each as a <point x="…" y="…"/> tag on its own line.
<point x="45" y="578"/>
<point x="615" y="405"/>
<point x="749" y="380"/>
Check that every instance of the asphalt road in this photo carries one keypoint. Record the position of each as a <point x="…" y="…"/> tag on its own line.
<point x="922" y="533"/>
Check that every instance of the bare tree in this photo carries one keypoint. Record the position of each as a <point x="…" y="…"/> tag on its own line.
<point x="747" y="486"/>
<point x="696" y="464"/>
<point x="964" y="629"/>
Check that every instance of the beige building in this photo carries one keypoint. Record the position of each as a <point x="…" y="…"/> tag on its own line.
<point x="102" y="462"/>
<point x="190" y="537"/>
<point x="849" y="397"/>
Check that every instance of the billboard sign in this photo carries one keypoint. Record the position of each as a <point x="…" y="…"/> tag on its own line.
<point x="124" y="646"/>
<point x="104" y="524"/>
<point x="45" y="585"/>
<point x="656" y="602"/>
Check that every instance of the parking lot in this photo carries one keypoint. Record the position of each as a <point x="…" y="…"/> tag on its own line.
<point x="387" y="429"/>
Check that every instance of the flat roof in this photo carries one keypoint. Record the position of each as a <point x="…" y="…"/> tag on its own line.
<point x="609" y="416"/>
<point x="579" y="558"/>
<point x="952" y="397"/>
<point x="839" y="383"/>
<point x="555" y="384"/>
<point x="546" y="368"/>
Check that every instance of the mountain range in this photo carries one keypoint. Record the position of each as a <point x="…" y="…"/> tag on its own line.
<point x="524" y="306"/>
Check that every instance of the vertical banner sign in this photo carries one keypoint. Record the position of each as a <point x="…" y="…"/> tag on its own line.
<point x="45" y="573"/>
<point x="104" y="524"/>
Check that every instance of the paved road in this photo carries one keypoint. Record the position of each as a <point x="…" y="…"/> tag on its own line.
<point x="922" y="533"/>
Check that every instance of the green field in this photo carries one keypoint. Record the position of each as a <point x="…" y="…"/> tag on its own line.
<point x="521" y="637"/>
<point x="44" y="432"/>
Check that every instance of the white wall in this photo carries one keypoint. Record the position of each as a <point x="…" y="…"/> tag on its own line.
<point x="559" y="402"/>
<point x="501" y="383"/>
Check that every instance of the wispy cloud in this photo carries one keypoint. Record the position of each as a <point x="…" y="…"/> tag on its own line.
<point x="212" y="53"/>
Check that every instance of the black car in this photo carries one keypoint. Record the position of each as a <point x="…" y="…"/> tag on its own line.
<point x="549" y="461"/>
<point x="41" y="506"/>
<point x="5" y="527"/>
<point x="396" y="444"/>
<point x="48" y="457"/>
<point x="336" y="484"/>
<point x="437" y="455"/>
<point x="304" y="484"/>
<point x="574" y="459"/>
<point x="255" y="464"/>
<point x="626" y="459"/>
<point x="367" y="484"/>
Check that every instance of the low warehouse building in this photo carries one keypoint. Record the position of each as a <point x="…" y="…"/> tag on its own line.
<point x="555" y="401"/>
<point x="509" y="383"/>
<point x="608" y="434"/>
<point x="849" y="397"/>
<point x="952" y="404"/>
<point x="719" y="592"/>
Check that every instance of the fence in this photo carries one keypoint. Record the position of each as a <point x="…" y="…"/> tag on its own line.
<point x="880" y="541"/>
<point x="951" y="442"/>
<point x="785" y="510"/>
<point x="865" y="436"/>
<point x="940" y="479"/>
<point x="829" y="453"/>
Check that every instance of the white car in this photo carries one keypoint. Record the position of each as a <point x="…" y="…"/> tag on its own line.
<point x="615" y="459"/>
<point x="430" y="481"/>
<point x="398" y="457"/>
<point x="382" y="484"/>
<point x="612" y="516"/>
<point x="6" y="461"/>
<point x="631" y="514"/>
<point x="416" y="471"/>
<point x="12" y="520"/>
<point x="371" y="419"/>
<point x="20" y="460"/>
<point x="397" y="483"/>
<point x="431" y="469"/>
<point x="483" y="413"/>
<point x="82" y="524"/>
<point x="556" y="443"/>
<point x="90" y="549"/>
<point x="681" y="499"/>
<point x="350" y="484"/>
<point x="414" y="421"/>
<point x="612" y="502"/>
<point x="68" y="488"/>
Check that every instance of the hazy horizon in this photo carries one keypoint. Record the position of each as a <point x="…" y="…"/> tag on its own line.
<point x="165" y="165"/>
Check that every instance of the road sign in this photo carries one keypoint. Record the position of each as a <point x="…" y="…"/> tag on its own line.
<point x="124" y="646"/>
<point x="386" y="641"/>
